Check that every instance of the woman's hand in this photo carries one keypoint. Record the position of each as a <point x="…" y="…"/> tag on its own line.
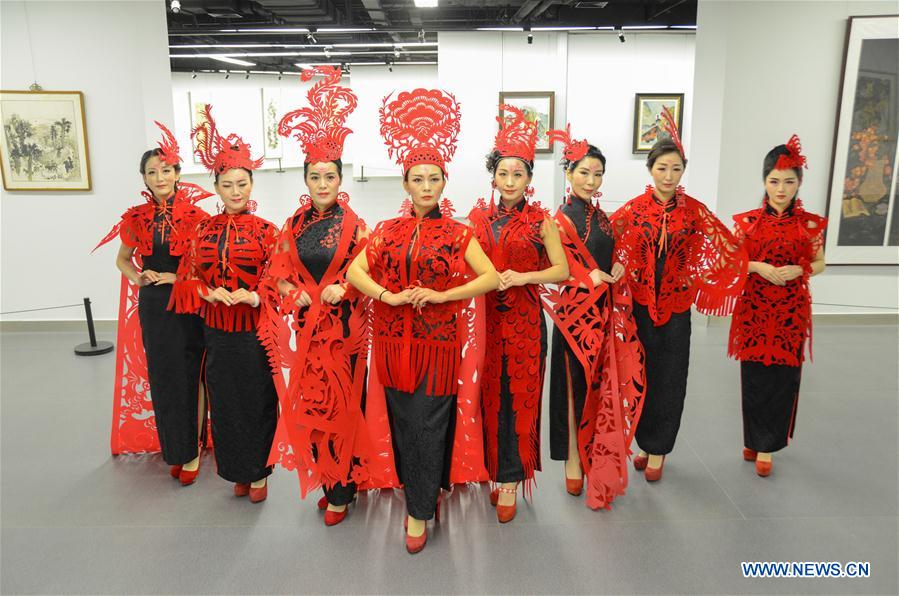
<point x="333" y="294"/>
<point x="769" y="273"/>
<point x="509" y="279"/>
<point x="789" y="272"/>
<point x="148" y="276"/>
<point x="244" y="296"/>
<point x="304" y="299"/>
<point x="617" y="272"/>
<point x="419" y="297"/>
<point x="598" y="276"/>
<point x="399" y="299"/>
<point x="166" y="278"/>
<point x="219" y="295"/>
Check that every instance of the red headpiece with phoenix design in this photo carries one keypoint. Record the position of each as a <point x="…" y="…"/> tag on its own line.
<point x="168" y="146"/>
<point x="220" y="153"/>
<point x="794" y="158"/>
<point x="320" y="127"/>
<point x="517" y="136"/>
<point x="574" y="150"/>
<point x="420" y="127"/>
<point x="669" y="125"/>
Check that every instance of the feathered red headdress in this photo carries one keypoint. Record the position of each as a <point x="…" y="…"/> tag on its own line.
<point x="220" y="153"/>
<point x="793" y="159"/>
<point x="517" y="136"/>
<point x="168" y="146"/>
<point x="420" y="127"/>
<point x="574" y="150"/>
<point x="320" y="127"/>
<point x="669" y="125"/>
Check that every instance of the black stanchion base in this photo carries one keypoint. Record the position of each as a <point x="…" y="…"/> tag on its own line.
<point x="86" y="349"/>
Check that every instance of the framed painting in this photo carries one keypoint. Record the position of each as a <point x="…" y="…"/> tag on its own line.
<point x="862" y="204"/>
<point x="44" y="144"/>
<point x="648" y="118"/>
<point x="271" y="116"/>
<point x="197" y="101"/>
<point x="538" y="106"/>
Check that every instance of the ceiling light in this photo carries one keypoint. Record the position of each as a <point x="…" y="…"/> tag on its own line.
<point x="176" y="6"/>
<point x="638" y="27"/>
<point x="426" y="3"/>
<point x="360" y="30"/>
<point x="500" y="29"/>
<point x="232" y="60"/>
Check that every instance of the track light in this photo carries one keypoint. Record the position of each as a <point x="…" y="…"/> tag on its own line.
<point x="396" y="53"/>
<point x="175" y="6"/>
<point x="280" y="74"/>
<point x="621" y="37"/>
<point x="193" y="74"/>
<point x="390" y="66"/>
<point x="421" y="35"/>
<point x="247" y="77"/>
<point x="530" y="38"/>
<point x="227" y="74"/>
<point x="311" y="38"/>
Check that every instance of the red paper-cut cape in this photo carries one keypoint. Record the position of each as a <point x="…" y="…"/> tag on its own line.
<point x="604" y="339"/>
<point x="319" y="389"/>
<point x="401" y="356"/>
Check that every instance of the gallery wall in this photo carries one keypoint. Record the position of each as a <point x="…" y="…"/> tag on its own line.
<point x="750" y="96"/>
<point x="47" y="236"/>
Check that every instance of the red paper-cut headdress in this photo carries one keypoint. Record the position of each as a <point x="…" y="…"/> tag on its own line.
<point x="574" y="150"/>
<point x="420" y="127"/>
<point x="794" y="158"/>
<point x="320" y="127"/>
<point x="669" y="125"/>
<point x="168" y="146"/>
<point x="220" y="153"/>
<point x="517" y="136"/>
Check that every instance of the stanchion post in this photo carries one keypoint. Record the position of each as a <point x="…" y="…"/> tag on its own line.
<point x="92" y="348"/>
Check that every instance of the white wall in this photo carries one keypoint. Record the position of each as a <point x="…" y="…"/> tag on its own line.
<point x="764" y="71"/>
<point x="116" y="53"/>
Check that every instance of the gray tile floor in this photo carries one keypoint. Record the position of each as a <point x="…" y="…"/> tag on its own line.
<point x="75" y="520"/>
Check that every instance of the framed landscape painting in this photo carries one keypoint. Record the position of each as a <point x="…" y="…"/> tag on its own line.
<point x="648" y="118"/>
<point x="44" y="143"/>
<point x="538" y="106"/>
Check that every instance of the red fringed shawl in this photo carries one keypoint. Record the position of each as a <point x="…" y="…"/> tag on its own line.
<point x="598" y="325"/>
<point x="704" y="264"/>
<point x="133" y="422"/>
<point x="771" y="323"/>
<point x="441" y="341"/>
<point x="512" y="329"/>
<point x="310" y="349"/>
<point x="229" y="251"/>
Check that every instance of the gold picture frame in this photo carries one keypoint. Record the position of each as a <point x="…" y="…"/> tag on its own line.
<point x="44" y="143"/>
<point x="648" y="117"/>
<point x="539" y="107"/>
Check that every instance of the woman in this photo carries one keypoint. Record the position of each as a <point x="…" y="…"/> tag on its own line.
<point x="676" y="253"/>
<point x="415" y="268"/>
<point x="321" y="431"/>
<point x="597" y="381"/>
<point x="219" y="278"/>
<point x="773" y="317"/>
<point x="154" y="236"/>
<point x="524" y="246"/>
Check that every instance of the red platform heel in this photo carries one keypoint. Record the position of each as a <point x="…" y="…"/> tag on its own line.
<point x="749" y="454"/>
<point x="654" y="474"/>
<point x="241" y="489"/>
<point x="506" y="513"/>
<point x="640" y="462"/>
<point x="257" y="495"/>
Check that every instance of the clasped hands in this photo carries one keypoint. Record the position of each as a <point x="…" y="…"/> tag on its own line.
<point x="149" y="277"/>
<point x="231" y="298"/>
<point x="598" y="276"/>
<point x="779" y="276"/>
<point x="331" y="294"/>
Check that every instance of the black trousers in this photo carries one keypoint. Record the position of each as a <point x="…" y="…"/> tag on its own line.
<point x="770" y="400"/>
<point x="667" y="350"/>
<point x="173" y="344"/>
<point x="339" y="494"/>
<point x="243" y="404"/>
<point x="422" y="428"/>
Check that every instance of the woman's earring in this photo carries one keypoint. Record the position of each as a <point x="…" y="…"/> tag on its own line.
<point x="597" y="194"/>
<point x="251" y="206"/>
<point x="529" y="191"/>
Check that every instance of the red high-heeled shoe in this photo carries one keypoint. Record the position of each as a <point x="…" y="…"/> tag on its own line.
<point x="241" y="489"/>
<point x="332" y="518"/>
<point x="749" y="454"/>
<point x="506" y="513"/>
<point x="415" y="544"/>
<point x="654" y="474"/>
<point x="175" y="471"/>
<point x="257" y="495"/>
<point x="574" y="486"/>
<point x="763" y="468"/>
<point x="188" y="477"/>
<point x="640" y="462"/>
<point x="494" y="496"/>
<point x="323" y="504"/>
